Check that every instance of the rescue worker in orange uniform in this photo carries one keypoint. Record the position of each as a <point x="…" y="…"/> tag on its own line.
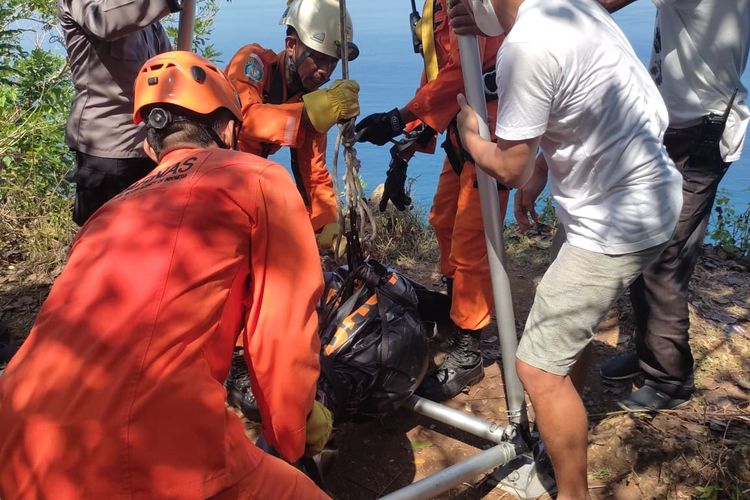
<point x="283" y="104"/>
<point x="118" y="389"/>
<point x="456" y="214"/>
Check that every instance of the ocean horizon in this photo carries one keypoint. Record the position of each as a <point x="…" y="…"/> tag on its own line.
<point x="388" y="72"/>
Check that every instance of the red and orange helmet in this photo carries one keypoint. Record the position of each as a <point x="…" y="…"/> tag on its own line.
<point x="186" y="80"/>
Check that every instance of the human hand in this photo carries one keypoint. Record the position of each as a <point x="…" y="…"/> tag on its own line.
<point x="318" y="428"/>
<point x="468" y="124"/>
<point x="474" y="17"/>
<point x="329" y="239"/>
<point x="325" y="107"/>
<point x="462" y="19"/>
<point x="379" y="128"/>
<point x="395" y="186"/>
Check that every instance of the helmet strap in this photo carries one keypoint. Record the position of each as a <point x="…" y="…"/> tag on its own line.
<point x="293" y="65"/>
<point x="160" y="118"/>
<point x="218" y="140"/>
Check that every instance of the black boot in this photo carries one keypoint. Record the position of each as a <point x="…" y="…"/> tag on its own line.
<point x="239" y="392"/>
<point x="461" y="368"/>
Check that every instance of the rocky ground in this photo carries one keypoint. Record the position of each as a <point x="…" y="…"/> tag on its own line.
<point x="699" y="451"/>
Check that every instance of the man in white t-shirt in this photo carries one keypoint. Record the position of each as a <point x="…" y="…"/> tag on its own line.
<point x="570" y="84"/>
<point x="699" y="54"/>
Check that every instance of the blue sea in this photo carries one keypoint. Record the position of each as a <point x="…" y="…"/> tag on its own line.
<point x="389" y="72"/>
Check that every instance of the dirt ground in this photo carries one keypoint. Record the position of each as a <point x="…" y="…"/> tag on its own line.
<point x="699" y="451"/>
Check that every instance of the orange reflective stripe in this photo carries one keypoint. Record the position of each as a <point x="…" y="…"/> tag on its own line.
<point x="344" y="331"/>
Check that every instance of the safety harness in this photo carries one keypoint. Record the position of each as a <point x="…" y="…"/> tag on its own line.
<point x="275" y="95"/>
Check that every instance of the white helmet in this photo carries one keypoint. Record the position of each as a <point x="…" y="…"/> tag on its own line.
<point x="317" y="25"/>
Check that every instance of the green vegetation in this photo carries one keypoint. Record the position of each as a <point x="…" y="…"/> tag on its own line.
<point x="404" y="238"/>
<point x="730" y="230"/>
<point x="35" y="95"/>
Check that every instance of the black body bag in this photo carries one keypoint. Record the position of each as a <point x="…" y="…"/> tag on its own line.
<point x="374" y="348"/>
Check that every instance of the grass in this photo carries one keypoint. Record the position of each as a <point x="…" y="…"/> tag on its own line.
<point x="404" y="238"/>
<point x="600" y="473"/>
<point x="36" y="230"/>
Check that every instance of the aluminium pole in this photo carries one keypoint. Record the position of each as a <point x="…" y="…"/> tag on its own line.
<point x="471" y="67"/>
<point x="185" y="26"/>
<point x="344" y="42"/>
<point x="457" y="419"/>
<point x="437" y="483"/>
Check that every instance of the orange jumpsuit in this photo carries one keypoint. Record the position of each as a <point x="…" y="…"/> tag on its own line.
<point x="456" y="215"/>
<point x="272" y="119"/>
<point x="118" y="390"/>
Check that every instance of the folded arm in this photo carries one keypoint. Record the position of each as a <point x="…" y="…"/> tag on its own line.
<point x="112" y="19"/>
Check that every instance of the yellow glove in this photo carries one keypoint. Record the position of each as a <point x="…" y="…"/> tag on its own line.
<point x="327" y="235"/>
<point x="319" y="427"/>
<point x="325" y="107"/>
<point x="327" y="238"/>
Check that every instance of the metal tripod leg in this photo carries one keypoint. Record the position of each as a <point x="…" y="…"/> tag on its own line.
<point x="524" y="478"/>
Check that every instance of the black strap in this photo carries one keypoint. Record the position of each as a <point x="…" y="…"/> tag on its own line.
<point x="274" y="94"/>
<point x="454" y="151"/>
<point x="298" y="176"/>
<point x="457" y="155"/>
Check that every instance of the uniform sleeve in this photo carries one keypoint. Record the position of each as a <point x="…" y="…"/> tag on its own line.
<point x="528" y="77"/>
<point x="113" y="19"/>
<point x="435" y="101"/>
<point x="165" y="45"/>
<point x="281" y="335"/>
<point x="272" y="123"/>
<point x="312" y="164"/>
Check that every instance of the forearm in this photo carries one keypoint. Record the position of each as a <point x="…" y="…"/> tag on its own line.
<point x="283" y="343"/>
<point x="273" y="123"/>
<point x="434" y="101"/>
<point x="109" y="21"/>
<point x="407" y="115"/>
<point x="507" y="166"/>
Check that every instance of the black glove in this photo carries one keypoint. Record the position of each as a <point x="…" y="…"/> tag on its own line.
<point x="379" y="128"/>
<point x="394" y="188"/>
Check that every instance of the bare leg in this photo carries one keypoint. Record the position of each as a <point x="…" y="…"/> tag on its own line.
<point x="561" y="418"/>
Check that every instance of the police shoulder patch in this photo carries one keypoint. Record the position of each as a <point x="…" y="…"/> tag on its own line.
<point x="254" y="68"/>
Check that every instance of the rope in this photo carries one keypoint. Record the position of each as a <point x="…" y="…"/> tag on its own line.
<point x="357" y="211"/>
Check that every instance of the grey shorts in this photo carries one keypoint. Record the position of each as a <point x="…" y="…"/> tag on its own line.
<point x="575" y="294"/>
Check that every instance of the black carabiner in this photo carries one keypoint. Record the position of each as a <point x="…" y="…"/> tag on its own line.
<point x="414" y="19"/>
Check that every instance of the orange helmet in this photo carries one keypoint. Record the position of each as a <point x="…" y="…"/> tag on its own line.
<point x="186" y="80"/>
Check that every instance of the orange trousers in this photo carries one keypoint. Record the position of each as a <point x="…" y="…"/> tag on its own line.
<point x="272" y="479"/>
<point x="456" y="216"/>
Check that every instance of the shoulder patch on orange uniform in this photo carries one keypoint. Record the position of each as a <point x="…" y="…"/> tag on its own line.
<point x="254" y="68"/>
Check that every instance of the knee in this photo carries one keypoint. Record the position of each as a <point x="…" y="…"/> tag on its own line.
<point x="537" y="382"/>
<point x="526" y="372"/>
<point x="440" y="221"/>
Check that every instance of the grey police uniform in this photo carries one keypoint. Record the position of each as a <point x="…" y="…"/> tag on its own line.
<point x="107" y="42"/>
